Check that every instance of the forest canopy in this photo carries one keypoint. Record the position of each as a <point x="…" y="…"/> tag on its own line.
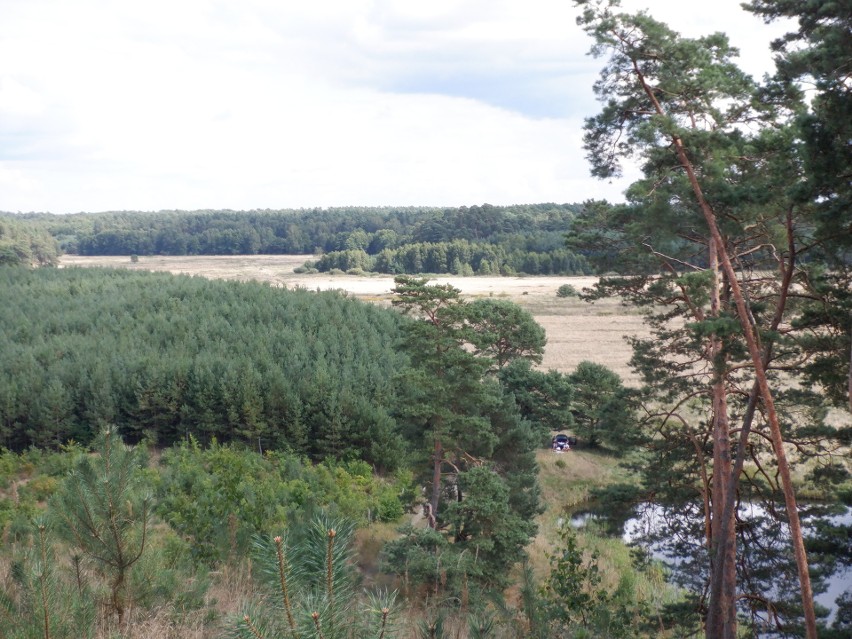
<point x="162" y="356"/>
<point x="466" y="240"/>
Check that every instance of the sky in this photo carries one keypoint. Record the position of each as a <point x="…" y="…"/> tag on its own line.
<point x="270" y="104"/>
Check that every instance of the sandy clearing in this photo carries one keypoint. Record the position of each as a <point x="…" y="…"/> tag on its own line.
<point x="279" y="269"/>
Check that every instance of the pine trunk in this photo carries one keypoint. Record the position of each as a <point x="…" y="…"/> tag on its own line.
<point x="754" y="349"/>
<point x="437" y="463"/>
<point x="722" y="614"/>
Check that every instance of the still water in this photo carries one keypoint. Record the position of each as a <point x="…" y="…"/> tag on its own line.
<point x="671" y="535"/>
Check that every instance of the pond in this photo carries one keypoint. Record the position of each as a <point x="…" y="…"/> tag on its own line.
<point x="675" y="536"/>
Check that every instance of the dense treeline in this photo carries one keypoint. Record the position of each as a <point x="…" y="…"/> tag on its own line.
<point x="23" y="244"/>
<point x="476" y="239"/>
<point x="162" y="356"/>
<point x="459" y="257"/>
<point x="292" y="231"/>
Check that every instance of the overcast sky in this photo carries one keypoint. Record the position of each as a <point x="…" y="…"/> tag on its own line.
<point x="243" y="104"/>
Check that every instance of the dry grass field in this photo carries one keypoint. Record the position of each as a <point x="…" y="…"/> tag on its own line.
<point x="576" y="331"/>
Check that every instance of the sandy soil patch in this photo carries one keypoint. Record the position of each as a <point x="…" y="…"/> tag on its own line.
<point x="279" y="269"/>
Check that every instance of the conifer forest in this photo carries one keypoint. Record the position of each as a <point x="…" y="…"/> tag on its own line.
<point x="184" y="456"/>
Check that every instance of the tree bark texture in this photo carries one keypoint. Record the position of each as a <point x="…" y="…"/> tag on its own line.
<point x="759" y="369"/>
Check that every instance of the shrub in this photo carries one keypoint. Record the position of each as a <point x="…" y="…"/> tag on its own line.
<point x="567" y="290"/>
<point x="389" y="508"/>
<point x="220" y="497"/>
<point x="41" y="487"/>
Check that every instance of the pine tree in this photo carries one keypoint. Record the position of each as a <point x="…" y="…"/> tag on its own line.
<point x="718" y="163"/>
<point x="309" y="580"/>
<point x="480" y="452"/>
<point x="819" y="54"/>
<point x="103" y="511"/>
<point x="39" y="602"/>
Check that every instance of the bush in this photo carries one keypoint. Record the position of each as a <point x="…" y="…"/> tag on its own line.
<point x="220" y="497"/>
<point x="40" y="488"/>
<point x="566" y="290"/>
<point x="307" y="269"/>
<point x="389" y="508"/>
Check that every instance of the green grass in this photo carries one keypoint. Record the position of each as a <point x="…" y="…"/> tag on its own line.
<point x="567" y="481"/>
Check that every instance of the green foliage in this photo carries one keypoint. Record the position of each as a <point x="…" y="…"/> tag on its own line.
<point x="603" y="409"/>
<point x="743" y="189"/>
<point x="531" y="604"/>
<point x="458" y="257"/>
<point x="504" y="332"/>
<point x="22" y="244"/>
<point x="432" y="627"/>
<point x="529" y="236"/>
<point x="220" y="497"/>
<point x="567" y="290"/>
<point x="162" y="357"/>
<point x="445" y="390"/>
<point x="484" y="240"/>
<point x="842" y="624"/>
<point x="103" y="511"/>
<point x="389" y="507"/>
<point x="544" y="398"/>
<point x="38" y="602"/>
<point x="485" y="525"/>
<point x="424" y="561"/>
<point x="818" y="52"/>
<point x="476" y="453"/>
<point x="826" y="332"/>
<point x="310" y="588"/>
<point x="577" y="605"/>
<point x="573" y="586"/>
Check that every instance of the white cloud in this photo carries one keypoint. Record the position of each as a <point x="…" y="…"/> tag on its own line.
<point x="17" y="180"/>
<point x="271" y="103"/>
<point x="17" y="99"/>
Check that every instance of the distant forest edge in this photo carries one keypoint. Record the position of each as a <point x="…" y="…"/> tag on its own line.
<point x="472" y="240"/>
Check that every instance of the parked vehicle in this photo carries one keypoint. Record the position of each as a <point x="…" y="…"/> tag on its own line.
<point x="563" y="442"/>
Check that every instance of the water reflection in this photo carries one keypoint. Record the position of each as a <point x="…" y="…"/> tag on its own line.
<point x="675" y="535"/>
